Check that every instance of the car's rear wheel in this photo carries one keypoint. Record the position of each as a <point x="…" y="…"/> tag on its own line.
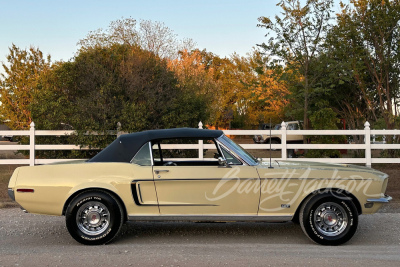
<point x="94" y="217"/>
<point x="329" y="220"/>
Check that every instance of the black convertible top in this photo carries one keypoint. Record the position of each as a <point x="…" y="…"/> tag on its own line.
<point x="125" y="147"/>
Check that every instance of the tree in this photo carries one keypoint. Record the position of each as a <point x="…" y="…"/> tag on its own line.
<point x="192" y="73"/>
<point x="261" y="94"/>
<point x="119" y="83"/>
<point x="19" y="84"/>
<point x="325" y="119"/>
<point x="148" y="35"/>
<point x="371" y="30"/>
<point x="247" y="93"/>
<point x="297" y="39"/>
<point x="195" y="77"/>
<point x="339" y="86"/>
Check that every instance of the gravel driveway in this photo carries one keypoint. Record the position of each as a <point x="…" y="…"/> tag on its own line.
<point x="38" y="240"/>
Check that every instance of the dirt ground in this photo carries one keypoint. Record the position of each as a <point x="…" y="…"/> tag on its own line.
<point x="38" y="240"/>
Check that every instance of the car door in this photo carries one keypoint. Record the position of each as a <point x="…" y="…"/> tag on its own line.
<point x="203" y="187"/>
<point x="142" y="186"/>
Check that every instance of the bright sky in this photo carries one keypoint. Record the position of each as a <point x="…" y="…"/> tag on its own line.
<point x="220" y="26"/>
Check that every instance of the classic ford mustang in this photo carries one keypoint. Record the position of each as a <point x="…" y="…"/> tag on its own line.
<point x="144" y="176"/>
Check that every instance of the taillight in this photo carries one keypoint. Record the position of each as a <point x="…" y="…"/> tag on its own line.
<point x="25" y="190"/>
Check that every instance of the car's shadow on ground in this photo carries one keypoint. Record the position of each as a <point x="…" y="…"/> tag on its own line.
<point x="211" y="232"/>
<point x="374" y="229"/>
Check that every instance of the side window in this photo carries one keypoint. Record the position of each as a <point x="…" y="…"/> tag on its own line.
<point x="184" y="152"/>
<point x="230" y="158"/>
<point x="155" y="149"/>
<point x="210" y="151"/>
<point x="170" y="149"/>
<point x="143" y="157"/>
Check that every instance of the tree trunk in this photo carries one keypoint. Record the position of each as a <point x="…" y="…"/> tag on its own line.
<point x="305" y="118"/>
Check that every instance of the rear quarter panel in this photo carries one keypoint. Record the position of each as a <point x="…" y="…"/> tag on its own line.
<point x="54" y="184"/>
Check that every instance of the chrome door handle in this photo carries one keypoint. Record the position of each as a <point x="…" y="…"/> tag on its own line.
<point x="158" y="171"/>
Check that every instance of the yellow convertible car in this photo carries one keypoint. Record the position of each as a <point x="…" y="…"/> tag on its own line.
<point x="144" y="176"/>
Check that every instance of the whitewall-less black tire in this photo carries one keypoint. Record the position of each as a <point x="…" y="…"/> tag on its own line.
<point x="94" y="217"/>
<point x="329" y="219"/>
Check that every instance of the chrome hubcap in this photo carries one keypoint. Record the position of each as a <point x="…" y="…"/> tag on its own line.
<point x="93" y="218"/>
<point x="330" y="219"/>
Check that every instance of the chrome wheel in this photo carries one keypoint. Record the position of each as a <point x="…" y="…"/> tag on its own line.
<point x="330" y="219"/>
<point x="93" y="218"/>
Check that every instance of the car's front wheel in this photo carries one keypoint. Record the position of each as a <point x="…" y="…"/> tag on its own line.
<point x="94" y="217"/>
<point x="329" y="219"/>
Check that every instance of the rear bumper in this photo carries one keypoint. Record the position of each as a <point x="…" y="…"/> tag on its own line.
<point x="11" y="194"/>
<point x="384" y="199"/>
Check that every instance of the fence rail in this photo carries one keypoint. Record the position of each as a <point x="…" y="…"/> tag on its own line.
<point x="367" y="146"/>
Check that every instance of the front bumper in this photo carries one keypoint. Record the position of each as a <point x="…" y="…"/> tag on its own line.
<point x="384" y="199"/>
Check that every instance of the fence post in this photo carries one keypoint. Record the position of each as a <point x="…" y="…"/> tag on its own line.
<point x="283" y="140"/>
<point x="118" y="129"/>
<point x="367" y="144"/>
<point x="32" y="144"/>
<point x="201" y="145"/>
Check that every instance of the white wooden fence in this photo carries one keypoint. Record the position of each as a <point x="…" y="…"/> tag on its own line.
<point x="283" y="132"/>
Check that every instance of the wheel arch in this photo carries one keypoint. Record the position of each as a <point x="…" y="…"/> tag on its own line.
<point x="110" y="192"/>
<point x="327" y="190"/>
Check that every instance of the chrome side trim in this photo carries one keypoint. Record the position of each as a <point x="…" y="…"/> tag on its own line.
<point x="205" y="179"/>
<point x="11" y="194"/>
<point x="138" y="199"/>
<point x="151" y="154"/>
<point x="223" y="218"/>
<point x="187" y="205"/>
<point x="384" y="199"/>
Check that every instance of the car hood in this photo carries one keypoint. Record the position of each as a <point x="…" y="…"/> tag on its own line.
<point x="290" y="164"/>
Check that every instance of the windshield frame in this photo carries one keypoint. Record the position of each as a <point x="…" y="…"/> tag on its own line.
<point x="237" y="150"/>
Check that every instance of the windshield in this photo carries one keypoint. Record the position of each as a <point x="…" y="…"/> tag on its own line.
<point x="238" y="150"/>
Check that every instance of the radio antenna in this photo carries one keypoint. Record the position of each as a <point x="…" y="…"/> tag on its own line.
<point x="270" y="144"/>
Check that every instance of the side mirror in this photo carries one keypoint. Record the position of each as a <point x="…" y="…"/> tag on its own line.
<point x="223" y="163"/>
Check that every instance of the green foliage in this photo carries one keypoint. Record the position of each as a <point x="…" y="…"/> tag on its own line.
<point x="367" y="36"/>
<point x="120" y="83"/>
<point x="238" y="121"/>
<point x="247" y="91"/>
<point x="350" y="66"/>
<point x="19" y="84"/>
<point x="297" y="40"/>
<point x="325" y="119"/>
<point x="379" y="124"/>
